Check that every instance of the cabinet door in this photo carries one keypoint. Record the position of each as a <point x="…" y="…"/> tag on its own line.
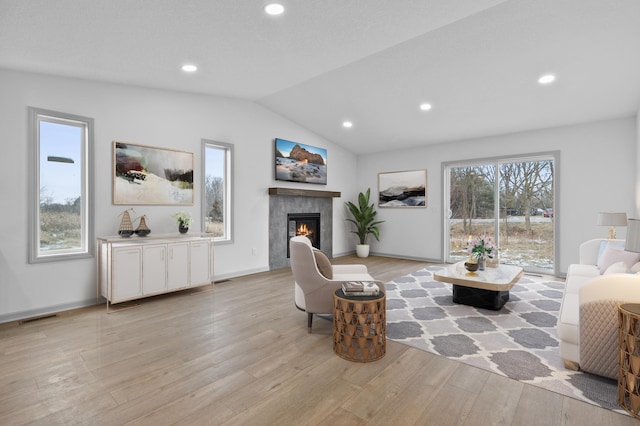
<point x="127" y="273"/>
<point x="154" y="269"/>
<point x="178" y="266"/>
<point x="200" y="262"/>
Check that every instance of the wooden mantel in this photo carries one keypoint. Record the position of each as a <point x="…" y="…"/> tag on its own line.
<point x="294" y="192"/>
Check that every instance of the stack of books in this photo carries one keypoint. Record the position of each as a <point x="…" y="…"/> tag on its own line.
<point x="360" y="288"/>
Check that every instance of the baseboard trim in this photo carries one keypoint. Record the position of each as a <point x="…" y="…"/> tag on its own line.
<point x="49" y="310"/>
<point x="393" y="256"/>
<point x="420" y="259"/>
<point x="345" y="253"/>
<point x="242" y="273"/>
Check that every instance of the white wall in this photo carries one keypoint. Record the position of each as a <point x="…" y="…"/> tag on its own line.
<point x="597" y="172"/>
<point x="149" y="117"/>
<point x="636" y="213"/>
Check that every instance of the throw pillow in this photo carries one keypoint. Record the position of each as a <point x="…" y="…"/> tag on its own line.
<point x="324" y="266"/>
<point x="616" y="268"/>
<point x="604" y="244"/>
<point x="614" y="254"/>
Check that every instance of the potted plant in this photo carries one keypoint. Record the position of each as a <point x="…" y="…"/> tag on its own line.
<point x="481" y="249"/>
<point x="184" y="220"/>
<point x="364" y="219"/>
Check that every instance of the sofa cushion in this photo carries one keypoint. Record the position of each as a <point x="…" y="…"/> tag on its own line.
<point x="352" y="277"/>
<point x="324" y="266"/>
<point x="616" y="268"/>
<point x="581" y="270"/>
<point x="608" y="243"/>
<point x="579" y="274"/>
<point x="613" y="254"/>
<point x="569" y="317"/>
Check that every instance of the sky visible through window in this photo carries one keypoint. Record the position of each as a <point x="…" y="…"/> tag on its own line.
<point x="214" y="162"/>
<point x="60" y="181"/>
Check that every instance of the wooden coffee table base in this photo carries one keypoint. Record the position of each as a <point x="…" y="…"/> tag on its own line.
<point x="480" y="298"/>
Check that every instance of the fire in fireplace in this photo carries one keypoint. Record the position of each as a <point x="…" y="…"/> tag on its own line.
<point x="307" y="224"/>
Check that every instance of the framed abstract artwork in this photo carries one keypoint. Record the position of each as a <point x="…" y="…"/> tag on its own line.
<point x="402" y="189"/>
<point x="150" y="175"/>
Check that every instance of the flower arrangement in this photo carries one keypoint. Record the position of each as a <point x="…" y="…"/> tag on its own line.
<point x="184" y="219"/>
<point x="481" y="248"/>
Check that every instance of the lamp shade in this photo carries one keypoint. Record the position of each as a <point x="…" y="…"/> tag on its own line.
<point x="612" y="219"/>
<point x="633" y="236"/>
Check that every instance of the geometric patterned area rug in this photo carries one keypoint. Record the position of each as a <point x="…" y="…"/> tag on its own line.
<point x="518" y="342"/>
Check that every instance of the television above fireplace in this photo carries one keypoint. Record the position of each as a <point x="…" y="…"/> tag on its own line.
<point x="297" y="162"/>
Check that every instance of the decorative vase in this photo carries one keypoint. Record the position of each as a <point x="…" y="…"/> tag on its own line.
<point x="183" y="229"/>
<point x="142" y="230"/>
<point x="362" y="250"/>
<point x="126" y="227"/>
<point x="481" y="263"/>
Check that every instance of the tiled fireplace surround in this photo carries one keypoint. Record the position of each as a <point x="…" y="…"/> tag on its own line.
<point x="283" y="201"/>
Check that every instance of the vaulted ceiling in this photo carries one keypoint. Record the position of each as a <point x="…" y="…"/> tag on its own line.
<point x="370" y="62"/>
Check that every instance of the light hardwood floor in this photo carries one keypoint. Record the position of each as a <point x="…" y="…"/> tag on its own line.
<point x="238" y="353"/>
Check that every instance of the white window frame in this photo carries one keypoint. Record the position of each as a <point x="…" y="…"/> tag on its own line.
<point x="87" y="244"/>
<point x="228" y="188"/>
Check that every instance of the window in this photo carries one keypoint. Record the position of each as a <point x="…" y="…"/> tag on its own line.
<point x="510" y="200"/>
<point x="217" y="189"/>
<point x="61" y="185"/>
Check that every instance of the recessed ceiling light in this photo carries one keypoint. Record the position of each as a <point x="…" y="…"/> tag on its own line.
<point x="425" y="106"/>
<point x="547" y="79"/>
<point x="189" y="68"/>
<point x="274" y="9"/>
<point x="347" y="124"/>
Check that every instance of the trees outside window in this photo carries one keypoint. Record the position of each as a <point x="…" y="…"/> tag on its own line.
<point x="510" y="200"/>
<point x="217" y="193"/>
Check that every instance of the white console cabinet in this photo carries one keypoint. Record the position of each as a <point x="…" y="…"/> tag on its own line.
<point x="135" y="267"/>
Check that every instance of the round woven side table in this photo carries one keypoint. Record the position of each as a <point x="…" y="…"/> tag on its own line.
<point x="359" y="326"/>
<point x="629" y="358"/>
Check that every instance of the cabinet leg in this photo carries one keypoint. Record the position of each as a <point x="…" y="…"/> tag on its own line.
<point x="123" y="307"/>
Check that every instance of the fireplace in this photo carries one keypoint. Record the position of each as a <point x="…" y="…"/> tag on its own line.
<point x="307" y="224"/>
<point x="309" y="203"/>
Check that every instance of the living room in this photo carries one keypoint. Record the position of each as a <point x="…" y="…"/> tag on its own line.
<point x="597" y="156"/>
<point x="597" y="171"/>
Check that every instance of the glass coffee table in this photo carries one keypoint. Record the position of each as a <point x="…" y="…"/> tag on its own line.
<point x="488" y="289"/>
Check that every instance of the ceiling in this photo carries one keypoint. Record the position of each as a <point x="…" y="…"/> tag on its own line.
<point x="371" y="62"/>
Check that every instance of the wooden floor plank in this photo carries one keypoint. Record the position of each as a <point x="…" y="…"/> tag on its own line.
<point x="239" y="353"/>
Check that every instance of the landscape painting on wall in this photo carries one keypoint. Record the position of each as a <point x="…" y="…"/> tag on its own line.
<point x="402" y="189"/>
<point x="148" y="175"/>
<point x="296" y="162"/>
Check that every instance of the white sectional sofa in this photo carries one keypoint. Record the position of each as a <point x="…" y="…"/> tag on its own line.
<point x="587" y="325"/>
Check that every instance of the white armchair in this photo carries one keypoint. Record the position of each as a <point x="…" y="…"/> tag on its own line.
<point x="314" y="290"/>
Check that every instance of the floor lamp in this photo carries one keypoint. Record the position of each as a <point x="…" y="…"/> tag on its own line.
<point x="612" y="220"/>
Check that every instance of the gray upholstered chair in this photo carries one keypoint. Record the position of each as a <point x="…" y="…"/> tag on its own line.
<point x="316" y="279"/>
